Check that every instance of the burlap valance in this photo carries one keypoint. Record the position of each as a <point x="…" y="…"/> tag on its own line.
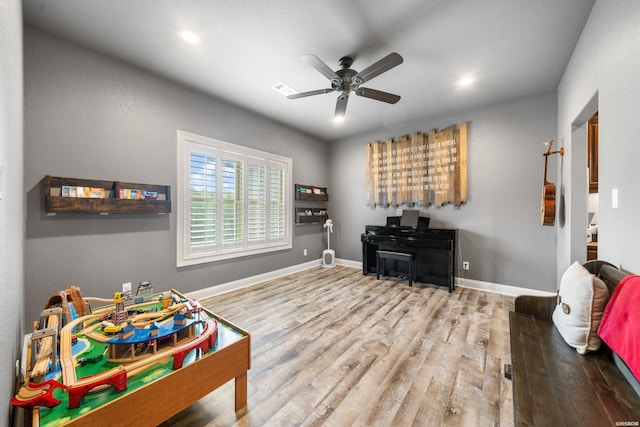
<point x="424" y="169"/>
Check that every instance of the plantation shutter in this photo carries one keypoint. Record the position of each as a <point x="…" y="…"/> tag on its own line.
<point x="277" y="201"/>
<point x="234" y="200"/>
<point x="202" y="202"/>
<point x="257" y="202"/>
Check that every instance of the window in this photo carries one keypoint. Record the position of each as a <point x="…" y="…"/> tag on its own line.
<point x="232" y="200"/>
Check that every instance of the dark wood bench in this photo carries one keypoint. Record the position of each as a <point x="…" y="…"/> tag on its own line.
<point x="553" y="385"/>
<point x="408" y="257"/>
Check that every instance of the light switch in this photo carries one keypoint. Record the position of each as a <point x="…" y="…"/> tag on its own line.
<point x="614" y="198"/>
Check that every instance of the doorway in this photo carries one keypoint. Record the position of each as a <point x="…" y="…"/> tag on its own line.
<point x="574" y="218"/>
<point x="593" y="196"/>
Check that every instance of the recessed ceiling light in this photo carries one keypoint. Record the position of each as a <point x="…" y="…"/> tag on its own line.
<point x="467" y="81"/>
<point x="190" y="37"/>
<point x="283" y="89"/>
<point x="338" y="119"/>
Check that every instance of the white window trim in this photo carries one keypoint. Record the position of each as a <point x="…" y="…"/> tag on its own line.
<point x="186" y="142"/>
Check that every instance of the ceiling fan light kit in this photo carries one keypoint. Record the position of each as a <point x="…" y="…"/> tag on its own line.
<point x="346" y="81"/>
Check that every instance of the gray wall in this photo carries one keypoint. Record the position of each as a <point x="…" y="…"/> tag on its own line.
<point x="11" y="199"/>
<point x="603" y="75"/>
<point x="89" y="116"/>
<point x="499" y="229"/>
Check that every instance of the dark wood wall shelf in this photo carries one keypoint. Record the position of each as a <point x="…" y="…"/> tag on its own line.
<point x="314" y="210"/>
<point x="311" y="193"/>
<point x="311" y="215"/>
<point x="115" y="200"/>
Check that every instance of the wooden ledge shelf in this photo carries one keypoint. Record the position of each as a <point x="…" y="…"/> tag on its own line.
<point x="311" y="215"/>
<point x="311" y="193"/>
<point x="106" y="197"/>
<point x="316" y="210"/>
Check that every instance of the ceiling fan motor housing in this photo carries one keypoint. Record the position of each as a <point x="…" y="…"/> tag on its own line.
<point x="346" y="82"/>
<point x="345" y="62"/>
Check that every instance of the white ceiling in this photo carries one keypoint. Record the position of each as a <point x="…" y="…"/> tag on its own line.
<point x="512" y="48"/>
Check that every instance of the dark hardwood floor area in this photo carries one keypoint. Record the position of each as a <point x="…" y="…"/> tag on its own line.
<point x="333" y="347"/>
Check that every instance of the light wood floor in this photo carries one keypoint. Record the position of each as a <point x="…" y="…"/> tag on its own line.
<point x="333" y="347"/>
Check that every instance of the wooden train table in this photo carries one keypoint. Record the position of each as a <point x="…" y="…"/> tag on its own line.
<point x="196" y="358"/>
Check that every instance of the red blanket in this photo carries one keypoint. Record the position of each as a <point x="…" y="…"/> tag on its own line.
<point x="620" y="325"/>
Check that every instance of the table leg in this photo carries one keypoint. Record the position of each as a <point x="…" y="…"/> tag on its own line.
<point x="241" y="391"/>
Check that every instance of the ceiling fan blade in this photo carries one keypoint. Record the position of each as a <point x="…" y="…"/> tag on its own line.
<point x="341" y="105"/>
<point x="310" y="93"/>
<point x="377" y="68"/>
<point x="323" y="68"/>
<point x="378" y="95"/>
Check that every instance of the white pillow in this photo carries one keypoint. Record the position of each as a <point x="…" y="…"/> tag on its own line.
<point x="581" y="301"/>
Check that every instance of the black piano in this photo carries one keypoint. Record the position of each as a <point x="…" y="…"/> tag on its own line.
<point x="435" y="249"/>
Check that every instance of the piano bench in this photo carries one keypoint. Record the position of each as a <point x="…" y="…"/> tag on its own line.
<point x="383" y="256"/>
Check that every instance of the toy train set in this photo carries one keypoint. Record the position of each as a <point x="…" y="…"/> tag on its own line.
<point x="82" y="356"/>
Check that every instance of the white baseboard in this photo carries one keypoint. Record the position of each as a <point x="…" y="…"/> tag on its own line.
<point x="349" y="263"/>
<point x="473" y="284"/>
<point x="249" y="281"/>
<point x="500" y="289"/>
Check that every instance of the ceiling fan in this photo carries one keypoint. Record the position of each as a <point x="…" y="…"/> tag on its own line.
<point x="346" y="80"/>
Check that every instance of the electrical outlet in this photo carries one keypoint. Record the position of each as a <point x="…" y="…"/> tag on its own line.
<point x="304" y="252"/>
<point x="465" y="265"/>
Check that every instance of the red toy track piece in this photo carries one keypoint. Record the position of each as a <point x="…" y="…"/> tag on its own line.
<point x="204" y="342"/>
<point x="37" y="394"/>
<point x="117" y="377"/>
